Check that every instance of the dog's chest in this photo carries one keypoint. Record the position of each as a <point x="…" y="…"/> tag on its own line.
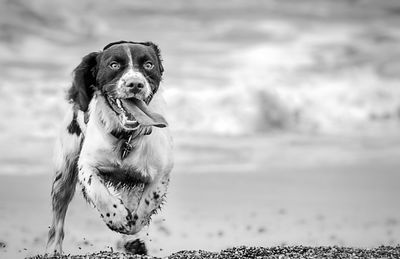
<point x="147" y="154"/>
<point x="104" y="152"/>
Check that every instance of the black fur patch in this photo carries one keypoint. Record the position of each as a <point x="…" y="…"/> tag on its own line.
<point x="73" y="127"/>
<point x="120" y="178"/>
<point x="82" y="90"/>
<point x="58" y="177"/>
<point x="85" y="194"/>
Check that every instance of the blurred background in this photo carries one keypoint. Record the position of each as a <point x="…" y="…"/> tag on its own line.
<point x="285" y="115"/>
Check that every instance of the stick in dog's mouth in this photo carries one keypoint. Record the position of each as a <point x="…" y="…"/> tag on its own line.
<point x="133" y="112"/>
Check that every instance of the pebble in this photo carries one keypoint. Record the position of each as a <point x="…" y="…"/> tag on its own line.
<point x="277" y="252"/>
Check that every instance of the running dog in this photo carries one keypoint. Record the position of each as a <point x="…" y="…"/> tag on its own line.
<point x="114" y="141"/>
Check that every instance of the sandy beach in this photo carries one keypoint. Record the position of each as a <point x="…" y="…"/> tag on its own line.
<point x="314" y="198"/>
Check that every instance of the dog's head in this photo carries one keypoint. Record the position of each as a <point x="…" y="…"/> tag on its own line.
<point x="127" y="74"/>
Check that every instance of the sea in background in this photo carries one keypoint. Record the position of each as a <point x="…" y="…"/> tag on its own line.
<point x="291" y="108"/>
<point x="233" y="68"/>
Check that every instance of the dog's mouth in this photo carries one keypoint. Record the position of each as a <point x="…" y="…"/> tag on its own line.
<point x="133" y="112"/>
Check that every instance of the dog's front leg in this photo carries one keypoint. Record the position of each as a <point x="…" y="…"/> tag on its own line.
<point x="153" y="197"/>
<point x="111" y="208"/>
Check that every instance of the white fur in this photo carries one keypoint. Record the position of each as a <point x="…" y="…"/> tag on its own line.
<point x="66" y="144"/>
<point x="151" y="157"/>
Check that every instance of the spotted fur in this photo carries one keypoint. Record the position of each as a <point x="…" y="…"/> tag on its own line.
<point x="125" y="191"/>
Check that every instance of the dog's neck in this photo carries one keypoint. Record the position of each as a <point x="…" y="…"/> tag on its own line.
<point x="127" y="139"/>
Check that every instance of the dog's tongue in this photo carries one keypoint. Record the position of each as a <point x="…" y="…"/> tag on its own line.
<point x="142" y="114"/>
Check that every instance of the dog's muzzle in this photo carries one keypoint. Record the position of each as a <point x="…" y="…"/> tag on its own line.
<point x="134" y="82"/>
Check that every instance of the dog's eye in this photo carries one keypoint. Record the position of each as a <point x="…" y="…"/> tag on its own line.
<point x="148" y="65"/>
<point x="114" y="65"/>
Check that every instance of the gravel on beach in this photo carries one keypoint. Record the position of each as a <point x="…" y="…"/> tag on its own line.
<point x="280" y="252"/>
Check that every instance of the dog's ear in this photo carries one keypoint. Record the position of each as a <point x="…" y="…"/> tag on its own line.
<point x="84" y="81"/>
<point x="159" y="58"/>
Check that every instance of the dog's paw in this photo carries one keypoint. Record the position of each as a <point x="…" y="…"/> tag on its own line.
<point x="119" y="218"/>
<point x="136" y="247"/>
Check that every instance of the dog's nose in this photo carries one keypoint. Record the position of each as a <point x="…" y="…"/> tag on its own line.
<point x="133" y="82"/>
<point x="138" y="85"/>
<point x="135" y="86"/>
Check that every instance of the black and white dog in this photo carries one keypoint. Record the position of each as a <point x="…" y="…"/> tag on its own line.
<point x="114" y="139"/>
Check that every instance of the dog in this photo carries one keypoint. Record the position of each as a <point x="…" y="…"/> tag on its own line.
<point x="114" y="143"/>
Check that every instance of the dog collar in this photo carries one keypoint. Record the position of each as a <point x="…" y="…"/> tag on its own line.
<point x="121" y="134"/>
<point x="127" y="147"/>
<point x="127" y="137"/>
